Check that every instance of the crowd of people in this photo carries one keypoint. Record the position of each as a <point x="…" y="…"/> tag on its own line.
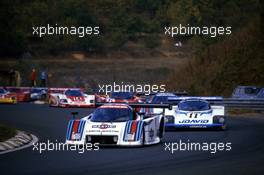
<point x="36" y="78"/>
<point x="42" y="78"/>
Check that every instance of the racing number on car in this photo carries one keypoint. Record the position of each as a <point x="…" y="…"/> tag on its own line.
<point x="193" y="115"/>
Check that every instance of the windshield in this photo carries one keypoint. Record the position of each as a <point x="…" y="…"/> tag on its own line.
<point x="252" y="91"/>
<point x="194" y="105"/>
<point x="111" y="115"/>
<point x="122" y="95"/>
<point x="74" y="93"/>
<point x="160" y="99"/>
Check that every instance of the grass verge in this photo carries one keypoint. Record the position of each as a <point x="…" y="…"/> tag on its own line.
<point x="6" y="132"/>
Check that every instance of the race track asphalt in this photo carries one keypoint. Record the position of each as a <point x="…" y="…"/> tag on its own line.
<point x="245" y="133"/>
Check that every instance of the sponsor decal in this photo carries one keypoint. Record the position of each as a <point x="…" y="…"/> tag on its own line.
<point x="193" y="121"/>
<point x="104" y="126"/>
<point x="151" y="134"/>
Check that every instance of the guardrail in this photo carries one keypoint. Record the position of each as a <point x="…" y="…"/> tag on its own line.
<point x="257" y="104"/>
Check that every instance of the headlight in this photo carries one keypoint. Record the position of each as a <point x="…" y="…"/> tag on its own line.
<point x="88" y="138"/>
<point x="115" y="138"/>
<point x="169" y="119"/>
<point x="219" y="119"/>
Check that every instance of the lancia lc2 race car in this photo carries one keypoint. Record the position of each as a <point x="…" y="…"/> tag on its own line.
<point x="118" y="124"/>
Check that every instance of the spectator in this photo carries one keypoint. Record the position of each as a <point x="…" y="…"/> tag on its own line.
<point x="43" y="78"/>
<point x="17" y="78"/>
<point x="11" y="77"/>
<point x="33" y="78"/>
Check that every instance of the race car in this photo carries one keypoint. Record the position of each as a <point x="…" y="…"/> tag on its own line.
<point x="162" y="97"/>
<point x="197" y="112"/>
<point x="38" y="93"/>
<point x="248" y="92"/>
<point x="70" y="97"/>
<point x="7" y="97"/>
<point x="117" y="124"/>
<point x="22" y="93"/>
<point x="122" y="97"/>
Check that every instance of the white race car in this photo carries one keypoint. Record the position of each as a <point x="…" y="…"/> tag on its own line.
<point x="117" y="124"/>
<point x="70" y="97"/>
<point x="196" y="112"/>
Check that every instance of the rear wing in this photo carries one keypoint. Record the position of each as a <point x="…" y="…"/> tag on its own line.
<point x="61" y="90"/>
<point x="140" y="105"/>
<point x="145" y="109"/>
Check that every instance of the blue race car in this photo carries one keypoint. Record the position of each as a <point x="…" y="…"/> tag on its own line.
<point x="248" y="92"/>
<point x="196" y="112"/>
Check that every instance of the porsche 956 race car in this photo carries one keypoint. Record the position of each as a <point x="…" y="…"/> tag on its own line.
<point x="70" y="97"/>
<point x="196" y="112"/>
<point x="118" y="124"/>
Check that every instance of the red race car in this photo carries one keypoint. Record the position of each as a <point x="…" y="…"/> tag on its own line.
<point x="22" y="93"/>
<point x="123" y="97"/>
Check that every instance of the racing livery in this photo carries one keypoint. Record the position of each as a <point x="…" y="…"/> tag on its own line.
<point x="196" y="112"/>
<point x="70" y="97"/>
<point x="117" y="124"/>
<point x="7" y="97"/>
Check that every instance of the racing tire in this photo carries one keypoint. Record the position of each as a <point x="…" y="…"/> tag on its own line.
<point x="52" y="103"/>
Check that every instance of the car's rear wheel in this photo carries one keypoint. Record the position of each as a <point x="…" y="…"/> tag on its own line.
<point x="53" y="102"/>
